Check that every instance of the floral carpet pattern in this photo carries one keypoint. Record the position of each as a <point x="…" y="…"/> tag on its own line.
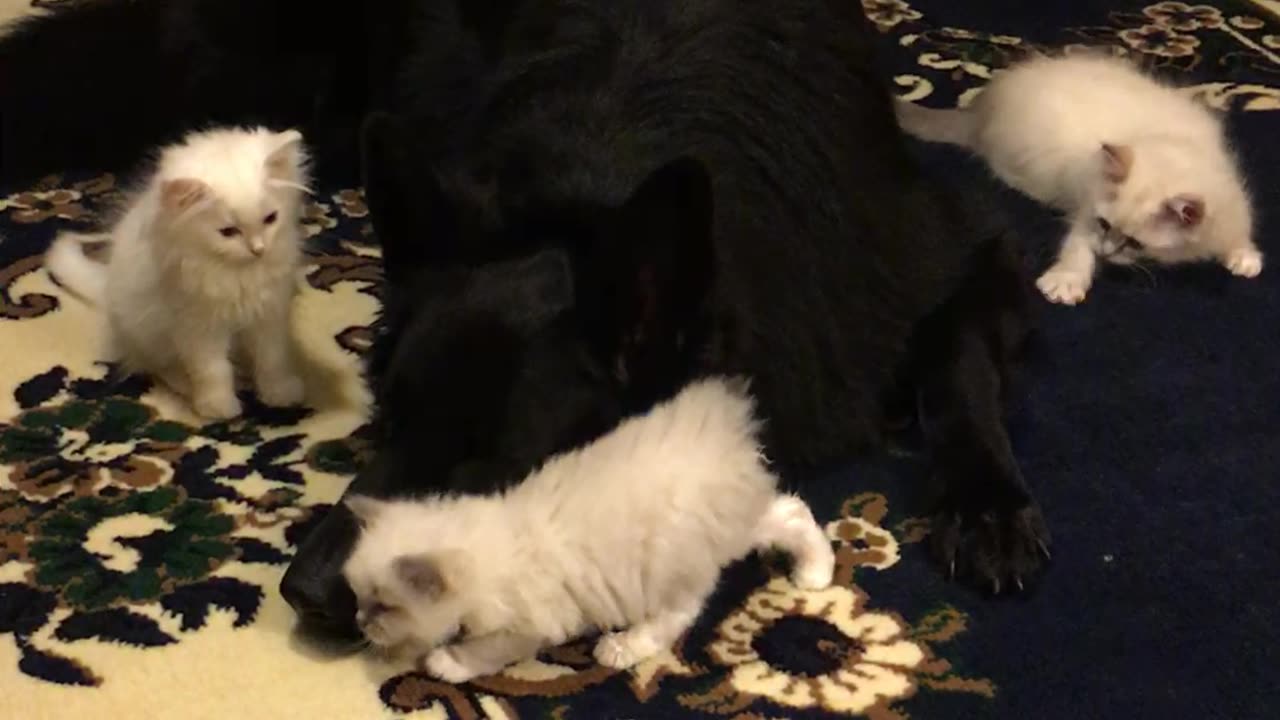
<point x="140" y="549"/>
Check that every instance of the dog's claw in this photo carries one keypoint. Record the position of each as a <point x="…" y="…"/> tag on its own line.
<point x="998" y="550"/>
<point x="1044" y="550"/>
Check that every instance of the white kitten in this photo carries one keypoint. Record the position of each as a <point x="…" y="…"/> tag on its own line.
<point x="627" y="534"/>
<point x="1141" y="170"/>
<point x="204" y="258"/>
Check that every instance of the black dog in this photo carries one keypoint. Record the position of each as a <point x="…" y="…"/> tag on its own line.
<point x="676" y="221"/>
<point x="591" y="203"/>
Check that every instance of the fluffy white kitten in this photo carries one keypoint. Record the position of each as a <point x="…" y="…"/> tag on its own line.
<point x="1141" y="170"/>
<point x="203" y="260"/>
<point x="628" y="534"/>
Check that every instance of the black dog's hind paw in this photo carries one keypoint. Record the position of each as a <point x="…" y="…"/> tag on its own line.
<point x="994" y="549"/>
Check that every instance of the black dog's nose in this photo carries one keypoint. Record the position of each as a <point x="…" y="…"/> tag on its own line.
<point x="313" y="585"/>
<point x="323" y="608"/>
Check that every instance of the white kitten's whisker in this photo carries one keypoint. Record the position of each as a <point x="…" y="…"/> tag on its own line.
<point x="1141" y="267"/>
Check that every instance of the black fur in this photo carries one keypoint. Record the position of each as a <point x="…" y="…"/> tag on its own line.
<point x="97" y="84"/>
<point x="585" y="203"/>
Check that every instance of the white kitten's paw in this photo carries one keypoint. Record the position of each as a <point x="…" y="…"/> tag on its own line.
<point x="217" y="406"/>
<point x="621" y="650"/>
<point x="1064" y="286"/>
<point x="441" y="664"/>
<point x="283" y="391"/>
<point x="1245" y="262"/>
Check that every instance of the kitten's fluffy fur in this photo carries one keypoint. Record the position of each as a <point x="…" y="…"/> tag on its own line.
<point x="1142" y="170"/>
<point x="204" y="258"/>
<point x="628" y="534"/>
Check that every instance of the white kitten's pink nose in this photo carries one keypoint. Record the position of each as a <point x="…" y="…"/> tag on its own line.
<point x="256" y="246"/>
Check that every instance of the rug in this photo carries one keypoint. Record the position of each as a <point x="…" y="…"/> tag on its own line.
<point x="140" y="550"/>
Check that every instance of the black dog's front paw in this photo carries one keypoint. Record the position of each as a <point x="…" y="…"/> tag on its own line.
<point x="992" y="548"/>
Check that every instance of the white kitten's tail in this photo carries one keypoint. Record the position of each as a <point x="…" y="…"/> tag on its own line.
<point x="951" y="126"/>
<point x="67" y="262"/>
<point x="790" y="525"/>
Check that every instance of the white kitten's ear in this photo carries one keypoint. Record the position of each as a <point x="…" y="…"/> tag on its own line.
<point x="365" y="508"/>
<point x="1117" y="161"/>
<point x="182" y="193"/>
<point x="284" y="160"/>
<point x="431" y="574"/>
<point x="1186" y="209"/>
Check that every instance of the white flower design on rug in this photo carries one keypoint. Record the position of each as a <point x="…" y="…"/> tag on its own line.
<point x="865" y="657"/>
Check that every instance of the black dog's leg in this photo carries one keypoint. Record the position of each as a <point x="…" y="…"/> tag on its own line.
<point x="987" y="525"/>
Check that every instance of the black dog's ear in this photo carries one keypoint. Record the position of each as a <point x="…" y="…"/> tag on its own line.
<point x="661" y="270"/>
<point x="415" y="222"/>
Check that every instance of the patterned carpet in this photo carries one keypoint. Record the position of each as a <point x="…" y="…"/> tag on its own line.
<point x="140" y="551"/>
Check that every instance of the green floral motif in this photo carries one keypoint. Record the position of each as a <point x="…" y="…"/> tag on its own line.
<point x="191" y="543"/>
<point x="78" y="446"/>
<point x="14" y="519"/>
<point x="34" y="434"/>
<point x="344" y="456"/>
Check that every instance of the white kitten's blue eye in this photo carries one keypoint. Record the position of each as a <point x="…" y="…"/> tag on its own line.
<point x="229" y="232"/>
<point x="270" y="218"/>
